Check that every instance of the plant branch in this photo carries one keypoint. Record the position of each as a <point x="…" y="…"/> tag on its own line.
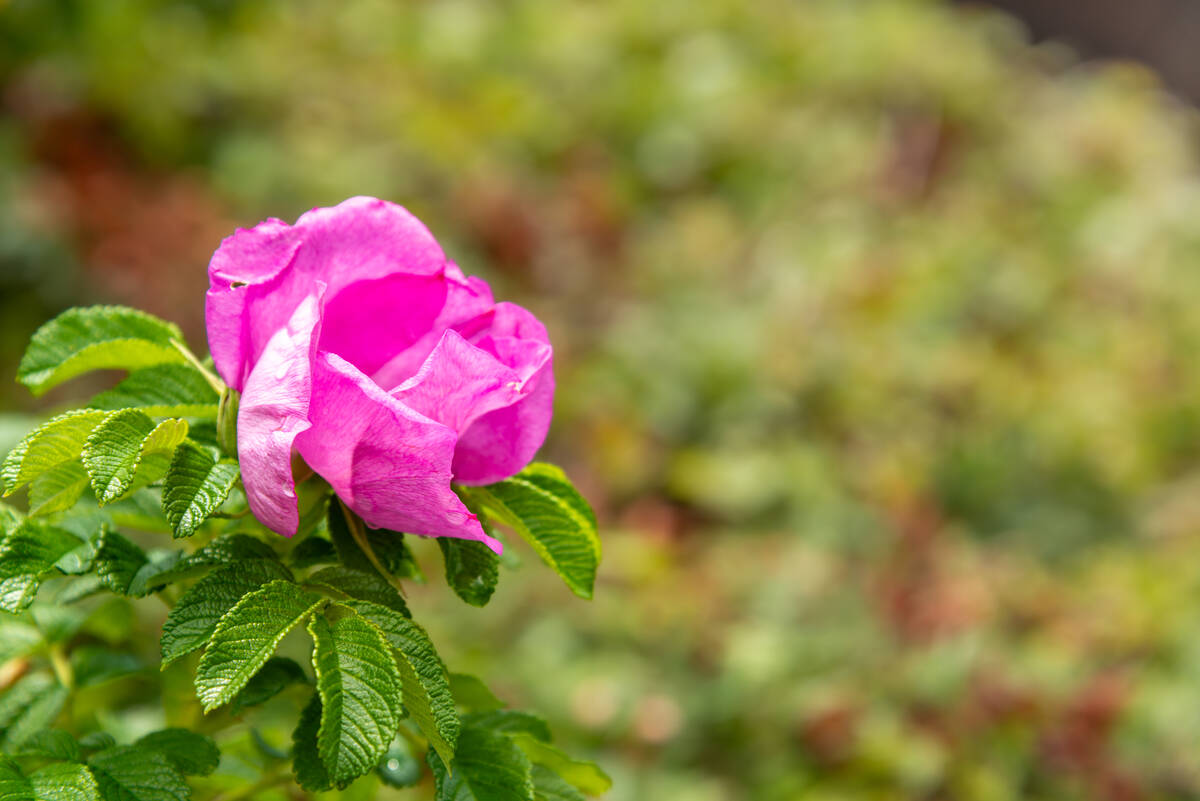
<point x="212" y="379"/>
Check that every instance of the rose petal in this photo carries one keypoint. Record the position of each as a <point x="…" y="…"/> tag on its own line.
<point x="389" y="464"/>
<point x="274" y="410"/>
<point x="259" y="276"/>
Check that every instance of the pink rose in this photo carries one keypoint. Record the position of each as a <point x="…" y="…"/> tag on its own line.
<point x="355" y="343"/>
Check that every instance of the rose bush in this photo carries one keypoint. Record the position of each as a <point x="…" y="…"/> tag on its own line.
<point x="358" y="346"/>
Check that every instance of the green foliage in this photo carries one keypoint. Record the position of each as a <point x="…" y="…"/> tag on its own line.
<point x="57" y="442"/>
<point x="426" y="689"/>
<point x="193" y="620"/>
<point x="487" y="767"/>
<point x="58" y="782"/>
<point x="134" y="773"/>
<point x="96" y="338"/>
<point x="472" y="569"/>
<point x="27" y="553"/>
<point x="307" y="763"/>
<point x="128" y="450"/>
<point x="276" y="675"/>
<point x="541" y="505"/>
<point x="357" y="584"/>
<point x="246" y="637"/>
<point x="195" y="486"/>
<point x="166" y="390"/>
<point x="192" y="754"/>
<point x="360" y="694"/>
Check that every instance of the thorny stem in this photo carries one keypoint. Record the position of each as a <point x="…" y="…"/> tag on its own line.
<point x="355" y="524"/>
<point x="212" y="380"/>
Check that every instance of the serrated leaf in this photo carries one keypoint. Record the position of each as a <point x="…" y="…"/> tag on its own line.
<point x="472" y="694"/>
<point x="96" y="338"/>
<point x="53" y="744"/>
<point x="426" y="689"/>
<point x="62" y="782"/>
<point x="246" y="637"/>
<point x="195" y="616"/>
<point x="389" y="547"/>
<point x="196" y="485"/>
<point x="586" y="776"/>
<point x="275" y="676"/>
<point x="96" y="741"/>
<point x="39" y="713"/>
<point x="487" y="766"/>
<point x="118" y="561"/>
<point x="307" y="766"/>
<point x="359" y="685"/>
<point x="192" y="754"/>
<point x="166" y="390"/>
<point x="57" y="441"/>
<point x="132" y="773"/>
<point x="20" y="695"/>
<point x="96" y="665"/>
<point x="57" y="489"/>
<point x="357" y="584"/>
<point x="313" y="551"/>
<point x="541" y="505"/>
<point x="549" y="786"/>
<point x="510" y="721"/>
<point x="223" y="550"/>
<point x="472" y="569"/>
<point x="28" y="551"/>
<point x="128" y="450"/>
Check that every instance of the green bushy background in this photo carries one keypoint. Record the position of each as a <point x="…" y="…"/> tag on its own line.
<point x="876" y="338"/>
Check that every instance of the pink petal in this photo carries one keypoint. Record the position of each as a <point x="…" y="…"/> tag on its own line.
<point x="390" y="464"/>
<point x="458" y="383"/>
<point x="259" y="276"/>
<point x="274" y="410"/>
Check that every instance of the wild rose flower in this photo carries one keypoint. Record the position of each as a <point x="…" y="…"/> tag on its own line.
<point x="356" y="344"/>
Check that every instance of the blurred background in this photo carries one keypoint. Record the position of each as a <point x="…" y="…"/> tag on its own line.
<point x="876" y="328"/>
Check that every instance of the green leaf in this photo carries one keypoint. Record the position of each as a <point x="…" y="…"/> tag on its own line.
<point x="195" y="616"/>
<point x="472" y="569"/>
<point x="274" y="677"/>
<point x="359" y="686"/>
<point x="35" y="708"/>
<point x="51" y="783"/>
<point x="389" y="547"/>
<point x="133" y="773"/>
<point x="96" y="741"/>
<point x="21" y="694"/>
<point x="97" y="664"/>
<point x="472" y="694"/>
<point x="118" y="561"/>
<point x="426" y="689"/>
<point x="96" y="338"/>
<point x="313" y="551"/>
<point x="487" y="766"/>
<point x="196" y="485"/>
<point x="541" y="505"/>
<point x="64" y="783"/>
<point x="166" y="390"/>
<point x="58" y="441"/>
<point x="28" y="551"/>
<point x="586" y="776"/>
<point x="221" y="551"/>
<point x="510" y="721"/>
<point x="57" y="489"/>
<point x="53" y="744"/>
<point x="246" y="637"/>
<point x="549" y="786"/>
<point x="192" y="754"/>
<point x="357" y="584"/>
<point x="128" y="450"/>
<point x="307" y="766"/>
